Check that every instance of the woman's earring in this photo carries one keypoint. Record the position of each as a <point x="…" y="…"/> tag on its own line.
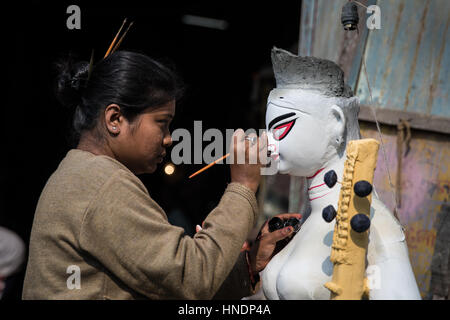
<point x="114" y="128"/>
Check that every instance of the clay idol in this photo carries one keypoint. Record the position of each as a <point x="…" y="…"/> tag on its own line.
<point x="351" y="246"/>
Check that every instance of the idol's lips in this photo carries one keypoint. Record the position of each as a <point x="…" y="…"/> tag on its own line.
<point x="272" y="151"/>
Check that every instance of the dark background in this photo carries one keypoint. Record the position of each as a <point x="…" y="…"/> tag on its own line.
<point x="218" y="67"/>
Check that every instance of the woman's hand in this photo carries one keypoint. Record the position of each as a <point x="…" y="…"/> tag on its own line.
<point x="247" y="159"/>
<point x="265" y="245"/>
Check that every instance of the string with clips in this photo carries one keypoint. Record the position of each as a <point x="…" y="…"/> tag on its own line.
<point x="350" y="19"/>
<point x="112" y="47"/>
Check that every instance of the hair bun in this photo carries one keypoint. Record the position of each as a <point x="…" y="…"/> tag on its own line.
<point x="70" y="82"/>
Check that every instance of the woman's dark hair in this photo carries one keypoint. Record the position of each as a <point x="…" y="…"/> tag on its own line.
<point x="132" y="80"/>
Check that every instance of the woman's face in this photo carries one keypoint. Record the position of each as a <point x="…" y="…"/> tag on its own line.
<point x="141" y="144"/>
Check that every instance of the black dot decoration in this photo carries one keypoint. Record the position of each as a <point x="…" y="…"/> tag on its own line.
<point x="328" y="213"/>
<point x="360" y="222"/>
<point x="294" y="222"/>
<point x="275" y="224"/>
<point x="330" y="178"/>
<point x="362" y="188"/>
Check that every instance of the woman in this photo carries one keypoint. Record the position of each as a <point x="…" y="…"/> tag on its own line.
<point x="96" y="219"/>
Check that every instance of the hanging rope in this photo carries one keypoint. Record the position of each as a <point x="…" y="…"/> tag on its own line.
<point x="363" y="60"/>
<point x="393" y="191"/>
<point x="402" y="128"/>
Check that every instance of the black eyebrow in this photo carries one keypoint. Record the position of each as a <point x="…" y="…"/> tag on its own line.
<point x="282" y="117"/>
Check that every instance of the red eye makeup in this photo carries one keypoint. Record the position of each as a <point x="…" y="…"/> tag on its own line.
<point x="281" y="131"/>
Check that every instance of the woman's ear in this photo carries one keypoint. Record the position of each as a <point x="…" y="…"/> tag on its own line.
<point x="338" y="124"/>
<point x="113" y="119"/>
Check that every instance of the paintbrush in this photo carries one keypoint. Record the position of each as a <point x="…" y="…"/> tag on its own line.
<point x="251" y="139"/>
<point x="209" y="165"/>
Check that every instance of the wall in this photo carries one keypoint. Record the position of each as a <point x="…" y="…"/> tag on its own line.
<point x="425" y="177"/>
<point x="407" y="64"/>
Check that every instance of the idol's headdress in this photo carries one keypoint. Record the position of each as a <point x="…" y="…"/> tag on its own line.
<point x="308" y="73"/>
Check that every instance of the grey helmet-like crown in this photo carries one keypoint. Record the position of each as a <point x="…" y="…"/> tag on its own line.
<point x="308" y="73"/>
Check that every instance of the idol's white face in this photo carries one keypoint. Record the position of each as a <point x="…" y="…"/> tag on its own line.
<point x="303" y="127"/>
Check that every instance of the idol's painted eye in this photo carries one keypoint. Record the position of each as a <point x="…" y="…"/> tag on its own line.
<point x="279" y="132"/>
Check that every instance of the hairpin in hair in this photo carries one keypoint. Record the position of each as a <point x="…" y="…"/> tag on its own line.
<point x="113" y="46"/>
<point x="91" y="65"/>
<point x="121" y="38"/>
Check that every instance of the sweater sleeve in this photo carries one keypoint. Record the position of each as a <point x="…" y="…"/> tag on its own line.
<point x="129" y="234"/>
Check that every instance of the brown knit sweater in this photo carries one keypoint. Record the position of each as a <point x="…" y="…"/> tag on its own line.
<point x="97" y="215"/>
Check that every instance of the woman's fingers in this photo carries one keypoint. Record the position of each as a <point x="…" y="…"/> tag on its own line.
<point x="282" y="216"/>
<point x="289" y="215"/>
<point x="249" y="149"/>
<point x="262" y="149"/>
<point x="279" y="235"/>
